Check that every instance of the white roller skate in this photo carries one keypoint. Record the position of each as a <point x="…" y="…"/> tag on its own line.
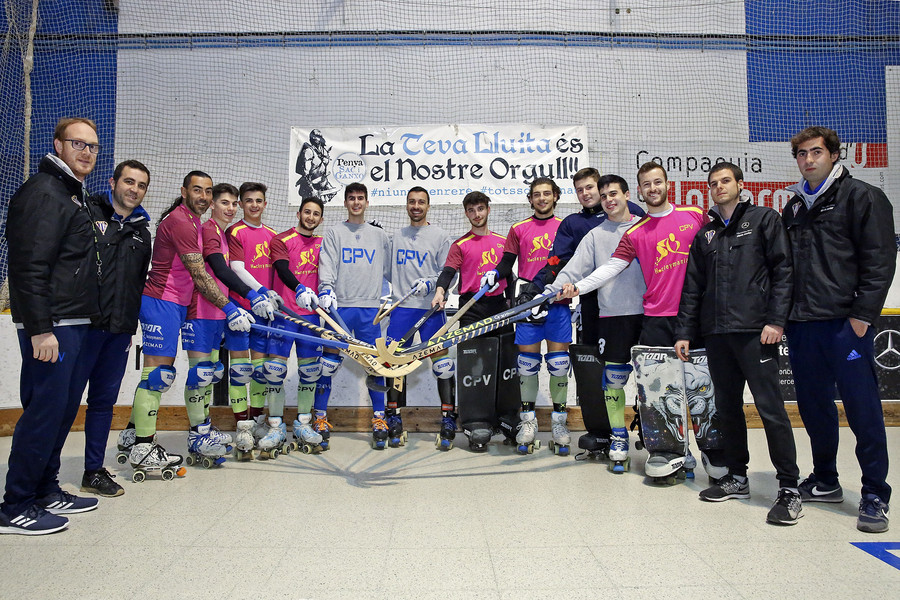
<point x="147" y="457"/>
<point x="305" y="437"/>
<point x="665" y="468"/>
<point x="619" y="461"/>
<point x="561" y="438"/>
<point x="204" y="450"/>
<point x="217" y="436"/>
<point x="528" y="428"/>
<point x="124" y="444"/>
<point x="273" y="443"/>
<point x="243" y="449"/>
<point x="260" y="429"/>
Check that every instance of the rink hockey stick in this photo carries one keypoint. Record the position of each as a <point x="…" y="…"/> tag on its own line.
<point x="382" y="314"/>
<point x="333" y="312"/>
<point x="337" y="345"/>
<point x="465" y="307"/>
<point x="467" y="332"/>
<point x="394" y="345"/>
<point x="340" y="328"/>
<point x="360" y="346"/>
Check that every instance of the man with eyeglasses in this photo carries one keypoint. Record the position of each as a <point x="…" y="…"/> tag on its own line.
<point x="53" y="277"/>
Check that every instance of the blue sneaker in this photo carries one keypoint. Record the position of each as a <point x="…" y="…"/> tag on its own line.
<point x="34" y="520"/>
<point x="873" y="514"/>
<point x="64" y="503"/>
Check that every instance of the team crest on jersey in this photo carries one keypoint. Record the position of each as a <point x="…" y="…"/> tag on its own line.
<point x="488" y="257"/>
<point x="710" y="235"/>
<point x="101" y="225"/>
<point x="307" y="257"/>
<point x="668" y="245"/>
<point x="262" y="250"/>
<point x="541" y="243"/>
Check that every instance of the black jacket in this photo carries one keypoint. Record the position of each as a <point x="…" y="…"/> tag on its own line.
<point x="844" y="252"/>
<point x="53" y="271"/>
<point x="738" y="275"/>
<point x="124" y="247"/>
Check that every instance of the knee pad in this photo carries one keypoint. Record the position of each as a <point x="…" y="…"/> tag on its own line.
<point x="444" y="367"/>
<point x="200" y="375"/>
<point x="615" y="375"/>
<point x="558" y="364"/>
<point x="161" y="378"/>
<point x="240" y="373"/>
<point x="330" y="364"/>
<point x="218" y="372"/>
<point x="270" y="372"/>
<point x="529" y="364"/>
<point x="309" y="372"/>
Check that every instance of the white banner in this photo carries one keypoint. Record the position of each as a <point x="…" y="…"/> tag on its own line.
<point x="447" y="160"/>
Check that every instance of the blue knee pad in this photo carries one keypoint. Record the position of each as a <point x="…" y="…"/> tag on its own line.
<point x="200" y="375"/>
<point x="270" y="372"/>
<point x="444" y="367"/>
<point x="529" y="364"/>
<point x="160" y="379"/>
<point x="615" y="375"/>
<point x="240" y="374"/>
<point x="558" y="364"/>
<point x="310" y="372"/>
<point x="218" y="372"/>
<point x="330" y="364"/>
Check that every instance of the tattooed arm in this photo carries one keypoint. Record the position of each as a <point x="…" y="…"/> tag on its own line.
<point x="205" y="284"/>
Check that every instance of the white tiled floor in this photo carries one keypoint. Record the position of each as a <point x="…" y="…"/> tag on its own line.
<point x="416" y="523"/>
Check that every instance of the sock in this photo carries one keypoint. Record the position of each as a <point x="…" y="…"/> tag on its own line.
<point x="145" y="407"/>
<point x="237" y="392"/>
<point x="559" y="388"/>
<point x="306" y="391"/>
<point x="257" y="389"/>
<point x="193" y="399"/>
<point x="615" y="406"/>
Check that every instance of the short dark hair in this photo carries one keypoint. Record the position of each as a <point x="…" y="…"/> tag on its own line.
<point x="252" y="186"/>
<point x="832" y="140"/>
<point x="315" y="200"/>
<point x="649" y="166"/>
<point x="187" y="178"/>
<point x="610" y="179"/>
<point x="474" y="198"/>
<point x="131" y="164"/>
<point x="224" y="188"/>
<point x="419" y="189"/>
<point x="722" y="166"/>
<point x="545" y="181"/>
<point x="585" y="173"/>
<point x="356" y="187"/>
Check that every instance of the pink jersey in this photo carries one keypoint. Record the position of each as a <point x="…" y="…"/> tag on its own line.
<point x="531" y="241"/>
<point x="214" y="242"/>
<point x="178" y="234"/>
<point x="302" y="254"/>
<point x="473" y="256"/>
<point x="661" y="246"/>
<point x="251" y="245"/>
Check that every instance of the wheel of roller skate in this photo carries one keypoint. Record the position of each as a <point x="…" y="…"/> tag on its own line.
<point x="138" y="476"/>
<point x="207" y="462"/>
<point x="404" y="438"/>
<point x="306" y="449"/>
<point x="190" y="460"/>
<point x="562" y="451"/>
<point x="168" y="474"/>
<point x="121" y="458"/>
<point x="293" y="446"/>
<point x="275" y="453"/>
<point x="639" y="445"/>
<point x="537" y="444"/>
<point x="437" y="441"/>
<point x="287" y="449"/>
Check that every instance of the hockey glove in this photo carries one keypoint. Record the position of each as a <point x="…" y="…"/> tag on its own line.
<point x="306" y="298"/>
<point x="276" y="300"/>
<point x="491" y="278"/>
<point x="238" y="318"/>
<point x="260" y="305"/>
<point x="327" y="300"/>
<point x="529" y="292"/>
<point x="422" y="287"/>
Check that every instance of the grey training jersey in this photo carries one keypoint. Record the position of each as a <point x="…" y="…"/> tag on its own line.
<point x="624" y="295"/>
<point x="417" y="252"/>
<point x="354" y="261"/>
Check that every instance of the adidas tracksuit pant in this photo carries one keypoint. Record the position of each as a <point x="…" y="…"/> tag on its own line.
<point x="828" y="353"/>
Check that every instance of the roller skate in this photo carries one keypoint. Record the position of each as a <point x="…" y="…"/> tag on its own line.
<point x="203" y="450"/>
<point x="305" y="437"/>
<point x="561" y="438"/>
<point x="243" y="449"/>
<point x="124" y="444"/>
<point x="273" y="443"/>
<point x="379" y="433"/>
<point x="618" y="451"/>
<point x="593" y="445"/>
<point x="528" y="428"/>
<point x="444" y="439"/>
<point x="149" y="457"/>
<point x="665" y="468"/>
<point x="217" y="436"/>
<point x="260" y="429"/>
<point x="479" y="435"/>
<point x="396" y="436"/>
<point x="323" y="428"/>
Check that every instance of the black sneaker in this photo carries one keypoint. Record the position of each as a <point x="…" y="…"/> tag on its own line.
<point x="873" y="514"/>
<point x="813" y="490"/>
<point x="787" y="510"/>
<point x="34" y="520"/>
<point x="101" y="482"/>
<point x="64" y="503"/>
<point x="727" y="488"/>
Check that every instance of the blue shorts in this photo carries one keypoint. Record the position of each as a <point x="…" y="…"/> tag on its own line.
<point x="202" y="335"/>
<point x="556" y="328"/>
<point x="161" y="323"/>
<point x="359" y="320"/>
<point x="241" y="341"/>
<point x="402" y="319"/>
<point x="281" y="346"/>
